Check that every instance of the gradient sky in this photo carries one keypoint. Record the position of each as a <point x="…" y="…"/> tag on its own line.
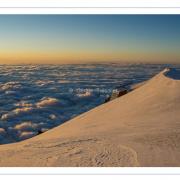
<point x="89" y="38"/>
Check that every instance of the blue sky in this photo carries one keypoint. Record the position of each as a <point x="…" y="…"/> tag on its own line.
<point x="76" y="38"/>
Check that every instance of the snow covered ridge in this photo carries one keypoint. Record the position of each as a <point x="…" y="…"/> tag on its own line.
<point x="172" y="73"/>
<point x="140" y="128"/>
<point x="36" y="98"/>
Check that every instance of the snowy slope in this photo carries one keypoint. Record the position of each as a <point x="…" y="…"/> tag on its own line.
<point x="141" y="128"/>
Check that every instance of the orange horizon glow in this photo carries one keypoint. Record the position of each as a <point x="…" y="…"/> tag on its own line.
<point x="61" y="39"/>
<point x="83" y="57"/>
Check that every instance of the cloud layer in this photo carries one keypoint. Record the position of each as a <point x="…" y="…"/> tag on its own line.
<point x="34" y="99"/>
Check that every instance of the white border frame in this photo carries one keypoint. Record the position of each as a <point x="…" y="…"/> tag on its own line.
<point x="89" y="10"/>
<point x="90" y="171"/>
<point x="23" y="7"/>
<point x="90" y="3"/>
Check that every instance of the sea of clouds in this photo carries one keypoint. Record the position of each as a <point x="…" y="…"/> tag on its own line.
<point x="36" y="98"/>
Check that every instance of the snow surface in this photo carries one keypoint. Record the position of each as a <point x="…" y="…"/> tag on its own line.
<point x="141" y="128"/>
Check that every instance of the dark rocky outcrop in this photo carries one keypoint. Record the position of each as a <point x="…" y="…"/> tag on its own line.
<point x="116" y="94"/>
